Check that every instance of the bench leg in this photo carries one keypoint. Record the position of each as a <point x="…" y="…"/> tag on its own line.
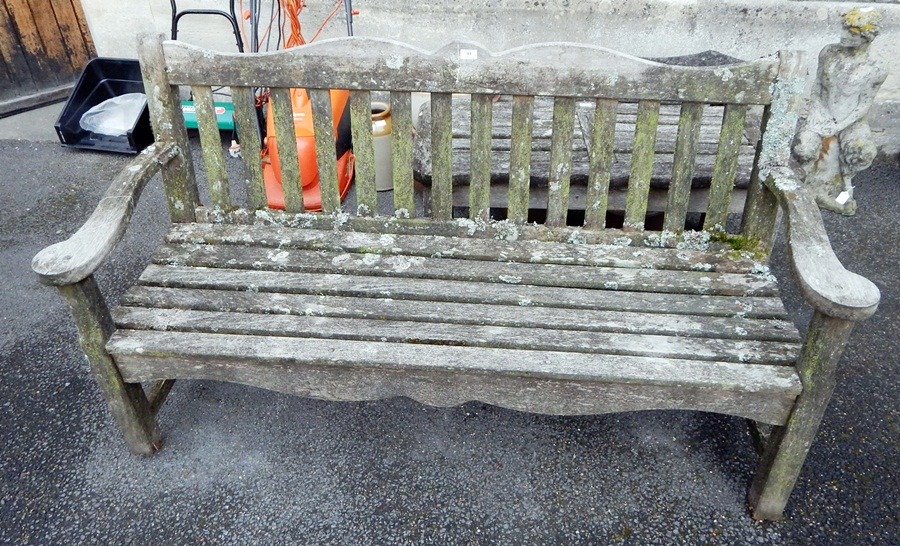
<point x="127" y="401"/>
<point x="788" y="445"/>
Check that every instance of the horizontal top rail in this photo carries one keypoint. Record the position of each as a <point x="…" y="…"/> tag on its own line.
<point x="549" y="69"/>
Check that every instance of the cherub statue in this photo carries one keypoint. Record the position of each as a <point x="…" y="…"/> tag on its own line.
<point x="834" y="142"/>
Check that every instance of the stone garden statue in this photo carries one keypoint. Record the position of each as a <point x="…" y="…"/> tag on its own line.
<point x="834" y="142"/>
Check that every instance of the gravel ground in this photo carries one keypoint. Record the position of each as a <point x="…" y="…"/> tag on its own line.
<point x="246" y="466"/>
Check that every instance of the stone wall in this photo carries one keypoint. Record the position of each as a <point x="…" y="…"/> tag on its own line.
<point x="740" y="28"/>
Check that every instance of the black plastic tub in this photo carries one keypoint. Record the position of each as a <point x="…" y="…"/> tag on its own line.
<point x="102" y="79"/>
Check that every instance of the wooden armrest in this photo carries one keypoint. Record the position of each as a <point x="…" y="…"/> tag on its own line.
<point x="74" y="259"/>
<point x="823" y="280"/>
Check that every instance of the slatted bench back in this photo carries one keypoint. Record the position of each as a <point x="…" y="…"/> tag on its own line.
<point x="568" y="73"/>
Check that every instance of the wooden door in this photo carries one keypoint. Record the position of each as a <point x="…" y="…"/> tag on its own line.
<point x="44" y="44"/>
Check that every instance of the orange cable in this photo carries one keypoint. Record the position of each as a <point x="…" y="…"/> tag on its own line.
<point x="243" y="32"/>
<point x="330" y="15"/>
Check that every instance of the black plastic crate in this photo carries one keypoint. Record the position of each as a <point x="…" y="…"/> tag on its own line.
<point x="102" y="79"/>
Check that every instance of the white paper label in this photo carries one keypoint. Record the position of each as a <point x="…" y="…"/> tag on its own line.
<point x="842" y="198"/>
<point x="468" y="54"/>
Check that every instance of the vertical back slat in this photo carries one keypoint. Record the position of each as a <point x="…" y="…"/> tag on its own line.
<point x="600" y="158"/>
<point x="326" y="155"/>
<point x="280" y="107"/>
<point x="402" y="151"/>
<point x="725" y="169"/>
<point x="211" y="143"/>
<point x="689" y="123"/>
<point x="179" y="181"/>
<point x="441" y="156"/>
<point x="520" y="158"/>
<point x="364" y="151"/>
<point x="480" y="157"/>
<point x="761" y="207"/>
<point x="560" y="160"/>
<point x="248" y="133"/>
<point x="641" y="164"/>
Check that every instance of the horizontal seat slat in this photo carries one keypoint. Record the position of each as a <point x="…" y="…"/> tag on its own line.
<point x="468" y="335"/>
<point x="523" y="251"/>
<point x="550" y="382"/>
<point x="461" y="291"/>
<point x="432" y="301"/>
<point x="418" y="267"/>
<point x="724" y="376"/>
<point x="407" y="267"/>
<point x="460" y="227"/>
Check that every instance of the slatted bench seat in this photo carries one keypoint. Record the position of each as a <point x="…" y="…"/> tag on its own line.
<point x="582" y="325"/>
<point x="562" y="317"/>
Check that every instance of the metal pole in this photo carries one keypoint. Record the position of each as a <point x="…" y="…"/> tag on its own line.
<point x="348" y="9"/>
<point x="254" y="31"/>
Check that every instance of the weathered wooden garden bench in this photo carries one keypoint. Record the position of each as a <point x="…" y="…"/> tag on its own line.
<point x="350" y="304"/>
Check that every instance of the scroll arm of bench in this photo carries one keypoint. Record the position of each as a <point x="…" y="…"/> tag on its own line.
<point x="74" y="259"/>
<point x="827" y="285"/>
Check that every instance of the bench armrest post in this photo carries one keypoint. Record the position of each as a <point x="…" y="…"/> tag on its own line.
<point x="77" y="257"/>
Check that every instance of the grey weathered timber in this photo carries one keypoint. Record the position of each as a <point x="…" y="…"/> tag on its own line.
<point x="611" y="278"/>
<point x="560" y="161"/>
<point x="480" y="158"/>
<point x="780" y="125"/>
<point x="683" y="171"/>
<point x="598" y="253"/>
<point x="441" y="159"/>
<point x="828" y="287"/>
<point x="212" y="146"/>
<point x="364" y="151"/>
<point x="77" y="257"/>
<point x="642" y="304"/>
<point x="725" y="170"/>
<point x="248" y="129"/>
<point x="641" y="164"/>
<point x="612" y="312"/>
<point x="622" y="143"/>
<point x="323" y="128"/>
<point x="601" y="157"/>
<point x="463" y="335"/>
<point x="281" y="109"/>
<point x="164" y="103"/>
<point x="127" y="401"/>
<point x="520" y="158"/>
<point x="306" y="363"/>
<point x="401" y="153"/>
<point x="557" y="69"/>
<point x="787" y="447"/>
<point x="159" y="391"/>
<point x="463" y="227"/>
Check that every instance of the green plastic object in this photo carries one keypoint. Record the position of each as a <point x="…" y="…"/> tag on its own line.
<point x="224" y="115"/>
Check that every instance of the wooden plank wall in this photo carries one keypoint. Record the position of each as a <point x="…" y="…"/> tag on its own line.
<point x="44" y="44"/>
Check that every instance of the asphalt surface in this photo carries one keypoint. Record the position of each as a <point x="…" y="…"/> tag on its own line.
<point x="247" y="466"/>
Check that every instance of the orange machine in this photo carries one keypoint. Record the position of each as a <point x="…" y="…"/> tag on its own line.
<point x="306" y="151"/>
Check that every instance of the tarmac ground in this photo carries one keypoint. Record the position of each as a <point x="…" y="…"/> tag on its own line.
<point x="247" y="466"/>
